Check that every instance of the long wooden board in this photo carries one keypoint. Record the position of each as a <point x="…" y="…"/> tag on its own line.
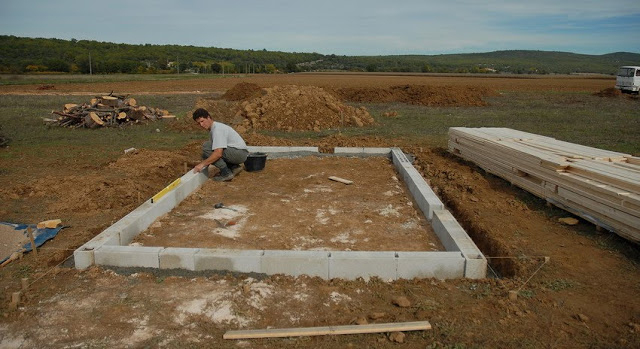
<point x="328" y="330"/>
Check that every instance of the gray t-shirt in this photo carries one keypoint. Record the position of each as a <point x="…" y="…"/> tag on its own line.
<point x="223" y="136"/>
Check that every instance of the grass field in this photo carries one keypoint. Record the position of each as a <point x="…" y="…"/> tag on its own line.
<point x="607" y="123"/>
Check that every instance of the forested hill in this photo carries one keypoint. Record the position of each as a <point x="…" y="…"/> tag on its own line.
<point x="23" y="55"/>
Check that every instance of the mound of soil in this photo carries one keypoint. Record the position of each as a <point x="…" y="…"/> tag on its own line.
<point x="292" y="107"/>
<point x="433" y="96"/>
<point x="287" y="108"/>
<point x="608" y="92"/>
<point x="243" y="91"/>
<point x="220" y="110"/>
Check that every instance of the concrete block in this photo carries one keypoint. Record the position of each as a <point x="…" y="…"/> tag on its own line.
<point x="295" y="263"/>
<point x="242" y="261"/>
<point x="108" y="236"/>
<point x="304" y="149"/>
<point x="442" y="223"/>
<point x="178" y="258"/>
<point x="377" y="151"/>
<point x="398" y="158"/>
<point x="129" y="225"/>
<point x="83" y="255"/>
<point x="426" y="199"/>
<point x="361" y="151"/>
<point x="348" y="150"/>
<point x="440" y="265"/>
<point x="475" y="268"/>
<point x="128" y="256"/>
<point x="452" y="235"/>
<point x="354" y="264"/>
<point x="83" y="258"/>
<point x="259" y="149"/>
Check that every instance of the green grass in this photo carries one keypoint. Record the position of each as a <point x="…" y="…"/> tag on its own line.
<point x="31" y="140"/>
<point x="560" y="285"/>
<point x="606" y="123"/>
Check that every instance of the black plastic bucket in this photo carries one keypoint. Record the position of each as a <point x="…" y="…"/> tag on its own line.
<point x="255" y="162"/>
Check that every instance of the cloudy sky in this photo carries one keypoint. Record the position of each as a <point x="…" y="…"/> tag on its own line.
<point x="346" y="27"/>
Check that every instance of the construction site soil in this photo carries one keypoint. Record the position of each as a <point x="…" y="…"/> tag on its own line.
<point x="584" y="296"/>
<point x="293" y="205"/>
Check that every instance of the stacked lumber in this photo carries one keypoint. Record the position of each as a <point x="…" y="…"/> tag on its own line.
<point x="601" y="186"/>
<point x="103" y="111"/>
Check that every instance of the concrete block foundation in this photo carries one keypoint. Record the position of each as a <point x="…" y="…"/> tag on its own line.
<point x="462" y="258"/>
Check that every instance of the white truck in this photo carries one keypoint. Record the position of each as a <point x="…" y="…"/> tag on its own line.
<point x="628" y="79"/>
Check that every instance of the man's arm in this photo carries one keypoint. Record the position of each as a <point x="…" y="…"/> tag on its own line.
<point x="215" y="155"/>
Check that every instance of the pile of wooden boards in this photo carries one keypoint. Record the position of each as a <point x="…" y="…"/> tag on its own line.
<point x="105" y="111"/>
<point x="600" y="186"/>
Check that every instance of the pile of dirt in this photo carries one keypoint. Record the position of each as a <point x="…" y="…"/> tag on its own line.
<point x="220" y="110"/>
<point x="243" y="91"/>
<point x="608" y="92"/>
<point x="299" y="108"/>
<point x="433" y="96"/>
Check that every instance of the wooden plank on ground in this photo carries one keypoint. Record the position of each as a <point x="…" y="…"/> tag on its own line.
<point x="341" y="180"/>
<point x="328" y="330"/>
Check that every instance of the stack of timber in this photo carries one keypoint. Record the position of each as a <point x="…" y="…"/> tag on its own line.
<point x="104" y="111"/>
<point x="601" y="186"/>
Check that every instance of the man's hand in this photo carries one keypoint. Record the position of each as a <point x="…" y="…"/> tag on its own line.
<point x="199" y="167"/>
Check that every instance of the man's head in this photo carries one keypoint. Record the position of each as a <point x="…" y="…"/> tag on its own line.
<point x="203" y="118"/>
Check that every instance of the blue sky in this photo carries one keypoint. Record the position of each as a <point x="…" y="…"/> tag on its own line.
<point x="357" y="27"/>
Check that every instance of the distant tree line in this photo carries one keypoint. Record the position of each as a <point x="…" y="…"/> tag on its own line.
<point x="33" y="55"/>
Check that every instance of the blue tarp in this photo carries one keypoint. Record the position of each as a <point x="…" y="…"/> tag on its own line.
<point x="39" y="235"/>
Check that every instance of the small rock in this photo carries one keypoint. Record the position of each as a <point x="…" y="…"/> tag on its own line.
<point x="377" y="315"/>
<point x="473" y="198"/>
<point x="397" y="337"/>
<point x="568" y="220"/>
<point x="582" y="317"/>
<point x="361" y="320"/>
<point x="246" y="289"/>
<point x="401" y="301"/>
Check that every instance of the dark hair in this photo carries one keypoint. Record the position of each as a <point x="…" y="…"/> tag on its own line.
<point x="201" y="113"/>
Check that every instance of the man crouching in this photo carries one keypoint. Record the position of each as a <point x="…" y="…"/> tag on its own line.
<point x="225" y="148"/>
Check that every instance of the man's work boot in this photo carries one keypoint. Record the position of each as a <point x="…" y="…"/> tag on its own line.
<point x="235" y="169"/>
<point x="224" y="175"/>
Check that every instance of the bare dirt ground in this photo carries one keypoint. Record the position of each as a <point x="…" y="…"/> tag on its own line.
<point x="326" y="81"/>
<point x="586" y="296"/>
<point x="269" y="210"/>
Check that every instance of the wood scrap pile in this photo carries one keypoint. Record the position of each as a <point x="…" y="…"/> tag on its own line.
<point x="105" y="111"/>
<point x="601" y="186"/>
